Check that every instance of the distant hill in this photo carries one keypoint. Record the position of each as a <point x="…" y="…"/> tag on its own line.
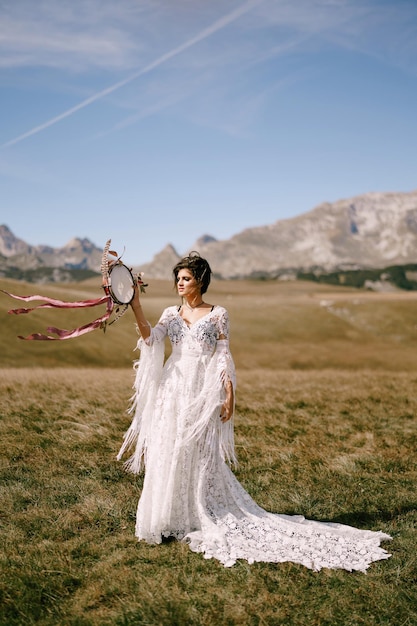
<point x="384" y="279"/>
<point x="77" y="260"/>
<point x="372" y="231"/>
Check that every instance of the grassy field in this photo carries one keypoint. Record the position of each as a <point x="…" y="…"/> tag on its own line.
<point x="294" y="325"/>
<point x="326" y="427"/>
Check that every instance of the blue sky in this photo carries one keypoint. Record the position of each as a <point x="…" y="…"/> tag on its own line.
<point x="157" y="121"/>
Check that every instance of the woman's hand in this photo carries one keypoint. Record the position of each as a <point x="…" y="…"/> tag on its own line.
<point x="141" y="321"/>
<point x="226" y="411"/>
<point x="135" y="302"/>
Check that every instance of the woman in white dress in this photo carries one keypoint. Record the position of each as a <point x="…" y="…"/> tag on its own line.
<point x="182" y="435"/>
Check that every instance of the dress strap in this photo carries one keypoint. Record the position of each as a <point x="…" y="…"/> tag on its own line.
<point x="212" y="308"/>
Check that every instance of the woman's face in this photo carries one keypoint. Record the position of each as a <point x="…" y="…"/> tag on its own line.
<point x="187" y="284"/>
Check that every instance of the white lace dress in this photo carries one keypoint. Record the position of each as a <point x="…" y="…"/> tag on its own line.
<point x="189" y="490"/>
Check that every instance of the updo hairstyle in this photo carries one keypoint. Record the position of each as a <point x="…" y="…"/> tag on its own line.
<point x="198" y="267"/>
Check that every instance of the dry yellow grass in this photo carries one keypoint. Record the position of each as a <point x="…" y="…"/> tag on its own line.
<point x="331" y="444"/>
<point x="276" y="325"/>
<point x="326" y="426"/>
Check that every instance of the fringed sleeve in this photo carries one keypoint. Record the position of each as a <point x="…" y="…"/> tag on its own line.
<point x="206" y="406"/>
<point x="148" y="375"/>
<point x="227" y="372"/>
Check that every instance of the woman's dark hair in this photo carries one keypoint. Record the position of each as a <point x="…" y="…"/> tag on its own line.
<point x="198" y="267"/>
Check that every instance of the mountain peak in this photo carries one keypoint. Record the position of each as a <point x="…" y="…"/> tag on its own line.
<point x="77" y="243"/>
<point x="10" y="244"/>
<point x="162" y="263"/>
<point x="75" y="255"/>
<point x="203" y="240"/>
<point x="372" y="230"/>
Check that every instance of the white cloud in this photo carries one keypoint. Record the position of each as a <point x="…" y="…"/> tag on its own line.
<point x="83" y="35"/>
<point x="204" y="57"/>
<point x="76" y="36"/>
<point x="383" y="30"/>
<point x="216" y="26"/>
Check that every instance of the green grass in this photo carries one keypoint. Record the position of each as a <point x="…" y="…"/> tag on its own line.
<point x="331" y="445"/>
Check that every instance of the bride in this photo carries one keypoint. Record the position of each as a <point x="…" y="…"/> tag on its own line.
<point x="182" y="433"/>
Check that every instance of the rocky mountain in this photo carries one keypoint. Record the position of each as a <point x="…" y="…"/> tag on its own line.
<point x="10" y="245"/>
<point x="369" y="231"/>
<point x="161" y="265"/>
<point x="43" y="263"/>
<point x="374" y="230"/>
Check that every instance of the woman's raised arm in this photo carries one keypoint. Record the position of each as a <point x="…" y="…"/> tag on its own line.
<point x="142" y="322"/>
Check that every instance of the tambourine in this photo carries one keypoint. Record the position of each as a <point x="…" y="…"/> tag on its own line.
<point x="120" y="284"/>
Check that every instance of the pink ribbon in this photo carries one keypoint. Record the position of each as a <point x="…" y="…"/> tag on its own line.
<point x="50" y="303"/>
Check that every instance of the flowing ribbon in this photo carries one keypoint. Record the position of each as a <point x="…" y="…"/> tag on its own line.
<point x="100" y="322"/>
<point x="50" y="303"/>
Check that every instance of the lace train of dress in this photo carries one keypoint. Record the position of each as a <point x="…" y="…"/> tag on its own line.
<point x="189" y="491"/>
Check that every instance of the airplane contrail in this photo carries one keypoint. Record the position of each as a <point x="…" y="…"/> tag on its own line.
<point x="210" y="30"/>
